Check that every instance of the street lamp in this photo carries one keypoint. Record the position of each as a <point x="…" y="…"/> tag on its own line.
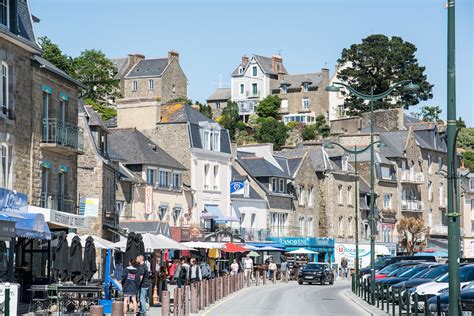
<point x="354" y="152"/>
<point x="409" y="87"/>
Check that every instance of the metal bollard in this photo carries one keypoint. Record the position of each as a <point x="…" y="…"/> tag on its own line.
<point x="165" y="303"/>
<point x="400" y="303"/>
<point x="377" y="287"/>
<point x="7" y="299"/>
<point x="117" y="308"/>
<point x="409" y="305"/>
<point x="416" y="304"/>
<point x="387" y="297"/>
<point x="393" y="302"/>
<point x="438" y="305"/>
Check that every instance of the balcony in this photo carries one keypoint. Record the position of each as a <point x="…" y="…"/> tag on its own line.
<point x="57" y="202"/>
<point x="253" y="94"/>
<point x="412" y="206"/>
<point x="438" y="230"/>
<point x="62" y="137"/>
<point x="417" y="177"/>
<point x="252" y="234"/>
<point x="247" y="107"/>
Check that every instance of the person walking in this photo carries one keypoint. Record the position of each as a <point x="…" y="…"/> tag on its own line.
<point x="144" y="272"/>
<point x="195" y="273"/>
<point x="130" y="286"/>
<point x="283" y="268"/>
<point x="234" y="267"/>
<point x="181" y="273"/>
<point x="344" y="267"/>
<point x="248" y="267"/>
<point x="272" y="269"/>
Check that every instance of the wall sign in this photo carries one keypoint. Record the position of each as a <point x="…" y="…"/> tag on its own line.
<point x="237" y="187"/>
<point x="148" y="199"/>
<point x="13" y="200"/>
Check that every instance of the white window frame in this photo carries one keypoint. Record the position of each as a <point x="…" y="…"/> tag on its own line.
<point x="254" y="89"/>
<point x="305" y="86"/>
<point x="281" y="185"/>
<point x="154" y="170"/>
<point x="176" y="175"/>
<point x="4" y="151"/>
<point x="349" y="195"/>
<point x="164" y="174"/>
<point x="311" y="197"/>
<point x="273" y="185"/>
<point x="207" y="168"/>
<point x="134" y="85"/>
<point x="440" y="164"/>
<point x="4" y="86"/>
<point x="254" y="71"/>
<point x="215" y="173"/>
<point x="301" y="223"/>
<point x="309" y="230"/>
<point x="430" y="164"/>
<point x="242" y="89"/>
<point x="349" y="225"/>
<point x="7" y="12"/>
<point x="341" y="197"/>
<point x="430" y="191"/>
<point x="284" y="104"/>
<point x="384" y="176"/>
<point x="387" y="201"/>
<point x="305" y="103"/>
<point x="241" y="70"/>
<point x="151" y="84"/>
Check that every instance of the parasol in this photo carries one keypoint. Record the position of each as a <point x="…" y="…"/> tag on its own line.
<point x="90" y="267"/>
<point x="151" y="242"/>
<point x="231" y="247"/>
<point x="302" y="251"/>
<point x="61" y="257"/>
<point x="253" y="254"/>
<point x="75" y="260"/>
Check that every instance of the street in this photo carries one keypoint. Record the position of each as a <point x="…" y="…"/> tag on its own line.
<point x="289" y="299"/>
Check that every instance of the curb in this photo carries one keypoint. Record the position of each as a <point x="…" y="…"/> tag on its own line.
<point x="368" y="308"/>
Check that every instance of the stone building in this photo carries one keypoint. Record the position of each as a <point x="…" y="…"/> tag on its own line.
<point x="97" y="176"/>
<point x="467" y="211"/>
<point x="218" y="101"/>
<point x="145" y="84"/>
<point x="303" y="96"/>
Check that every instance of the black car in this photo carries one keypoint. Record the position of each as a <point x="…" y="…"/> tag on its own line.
<point x="316" y="272"/>
<point x="382" y="262"/>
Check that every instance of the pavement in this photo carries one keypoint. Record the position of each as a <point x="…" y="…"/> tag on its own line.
<point x="289" y="299"/>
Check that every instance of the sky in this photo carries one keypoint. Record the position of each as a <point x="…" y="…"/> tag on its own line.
<point x="212" y="35"/>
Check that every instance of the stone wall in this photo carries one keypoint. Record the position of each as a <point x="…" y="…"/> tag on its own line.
<point x="391" y="120"/>
<point x="143" y="88"/>
<point x="174" y="83"/>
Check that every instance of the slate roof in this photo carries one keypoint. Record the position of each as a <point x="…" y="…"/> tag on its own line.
<point x="265" y="64"/>
<point x="148" y="68"/>
<point x="363" y="186"/>
<point x="220" y="94"/>
<point x="121" y="64"/>
<point x="252" y="193"/>
<point x="295" y="81"/>
<point x="394" y="142"/>
<point x="23" y="31"/>
<point x="94" y="118"/>
<point x="430" y="139"/>
<point x="136" y="148"/>
<point x="293" y="164"/>
<point x="260" y="167"/>
<point x="52" y="68"/>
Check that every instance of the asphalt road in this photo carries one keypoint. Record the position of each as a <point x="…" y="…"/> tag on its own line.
<point x="289" y="299"/>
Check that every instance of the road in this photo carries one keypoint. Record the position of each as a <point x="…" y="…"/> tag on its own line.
<point x="289" y="299"/>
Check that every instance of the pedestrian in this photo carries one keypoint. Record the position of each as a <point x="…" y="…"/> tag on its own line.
<point x="195" y="273"/>
<point x="130" y="285"/>
<point x="283" y="268"/>
<point x="344" y="267"/>
<point x="234" y="267"/>
<point x="172" y="270"/>
<point x="248" y="268"/>
<point x="272" y="269"/>
<point x="205" y="270"/>
<point x="144" y="272"/>
<point x="181" y="273"/>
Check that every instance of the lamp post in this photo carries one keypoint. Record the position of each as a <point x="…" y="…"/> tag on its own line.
<point x="354" y="152"/>
<point x="409" y="86"/>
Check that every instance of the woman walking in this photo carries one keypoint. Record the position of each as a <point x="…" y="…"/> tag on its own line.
<point x="130" y="286"/>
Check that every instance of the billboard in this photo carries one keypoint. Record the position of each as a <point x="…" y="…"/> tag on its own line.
<point x="11" y="200"/>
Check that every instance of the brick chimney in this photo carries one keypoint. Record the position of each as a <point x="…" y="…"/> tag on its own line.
<point x="277" y="64"/>
<point x="134" y="59"/>
<point x="245" y="60"/>
<point x="325" y="73"/>
<point x="173" y="54"/>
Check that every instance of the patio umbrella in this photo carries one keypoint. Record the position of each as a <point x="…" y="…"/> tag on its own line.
<point x="203" y="245"/>
<point x="303" y="251"/>
<point x="61" y="257"/>
<point x="140" y="244"/>
<point x="131" y="249"/>
<point x="75" y="260"/>
<point x="269" y="248"/>
<point x="90" y="266"/>
<point x="231" y="247"/>
<point x="152" y="242"/>
<point x="253" y="254"/>
<point x="99" y="243"/>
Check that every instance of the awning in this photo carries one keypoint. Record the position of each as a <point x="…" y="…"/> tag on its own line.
<point x="28" y="225"/>
<point x="213" y="212"/>
<point x="231" y="247"/>
<point x="266" y="244"/>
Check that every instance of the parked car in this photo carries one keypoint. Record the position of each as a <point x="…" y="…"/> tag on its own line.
<point x="394" y="268"/>
<point x="467" y="299"/>
<point x="382" y="262"/>
<point x="440" y="286"/>
<point x="316" y="272"/>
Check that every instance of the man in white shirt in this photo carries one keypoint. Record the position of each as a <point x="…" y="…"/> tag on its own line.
<point x="248" y="268"/>
<point x="234" y="268"/>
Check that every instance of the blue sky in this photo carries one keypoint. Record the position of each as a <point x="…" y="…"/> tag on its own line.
<point x="212" y="35"/>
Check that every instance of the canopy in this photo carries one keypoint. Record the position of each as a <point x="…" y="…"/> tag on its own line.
<point x="231" y="247"/>
<point x="203" y="245"/>
<point x="152" y="242"/>
<point x="99" y="243"/>
<point x="302" y="251"/>
<point x="28" y="225"/>
<point x="250" y="247"/>
<point x="213" y="212"/>
<point x="268" y="248"/>
<point x="253" y="254"/>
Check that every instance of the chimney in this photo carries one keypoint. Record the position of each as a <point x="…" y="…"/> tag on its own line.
<point x="277" y="64"/>
<point x="325" y="73"/>
<point x="245" y="60"/>
<point x="134" y="59"/>
<point x="172" y="54"/>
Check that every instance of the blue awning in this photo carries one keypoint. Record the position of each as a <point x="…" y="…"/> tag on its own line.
<point x="213" y="212"/>
<point x="28" y="225"/>
<point x="266" y="244"/>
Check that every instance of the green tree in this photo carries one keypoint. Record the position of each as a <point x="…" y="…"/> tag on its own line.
<point x="54" y="54"/>
<point x="106" y="112"/>
<point x="319" y="128"/>
<point x="230" y="119"/>
<point x="460" y="122"/>
<point x="380" y="61"/>
<point x="429" y="113"/>
<point x="182" y="100"/>
<point x="271" y="131"/>
<point x="96" y="72"/>
<point x="204" y="109"/>
<point x="269" y="106"/>
<point x="468" y="157"/>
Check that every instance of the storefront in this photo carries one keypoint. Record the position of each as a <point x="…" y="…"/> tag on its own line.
<point x="323" y="246"/>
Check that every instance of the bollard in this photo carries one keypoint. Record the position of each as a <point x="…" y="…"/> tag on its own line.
<point x="187" y="300"/>
<point x="228" y="285"/>
<point x="365" y="291"/>
<point x="377" y="287"/>
<point x="438" y="306"/>
<point x="393" y="302"/>
<point x="218" y="287"/>
<point x="274" y="277"/>
<point x="95" y="310"/>
<point x="175" y="301"/>
<point x="211" y="291"/>
<point x="194" y="298"/>
<point x="248" y="281"/>
<point x="257" y="278"/>
<point x="221" y="283"/>
<point x="400" y="303"/>
<point x="427" y="313"/>
<point x="165" y="303"/>
<point x="286" y="276"/>
<point x="206" y="294"/>
<point x="387" y="297"/>
<point x="408" y="305"/>
<point x="416" y="304"/>
<point x="7" y="299"/>
<point x="117" y="308"/>
<point x="264" y="278"/>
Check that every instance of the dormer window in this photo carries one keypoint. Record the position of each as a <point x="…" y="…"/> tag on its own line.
<point x="345" y="163"/>
<point x="241" y="70"/>
<point x="305" y="86"/>
<point x="284" y="88"/>
<point x="4" y="12"/>
<point x="254" y="71"/>
<point x="210" y="139"/>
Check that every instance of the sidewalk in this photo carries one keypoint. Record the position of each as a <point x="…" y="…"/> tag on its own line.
<point x="372" y="310"/>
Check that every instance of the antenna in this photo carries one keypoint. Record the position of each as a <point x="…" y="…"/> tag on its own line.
<point x="220" y="83"/>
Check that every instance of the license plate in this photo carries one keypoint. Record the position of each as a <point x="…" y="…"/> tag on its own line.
<point x="308" y="277"/>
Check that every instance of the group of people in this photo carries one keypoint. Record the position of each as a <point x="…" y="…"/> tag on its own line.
<point x="185" y="272"/>
<point x="136" y="280"/>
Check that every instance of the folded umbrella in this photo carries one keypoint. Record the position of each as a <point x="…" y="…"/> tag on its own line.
<point x="61" y="257"/>
<point x="75" y="260"/>
<point x="90" y="267"/>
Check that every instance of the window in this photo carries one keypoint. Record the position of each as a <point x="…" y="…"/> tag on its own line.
<point x="103" y="142"/>
<point x="472" y="206"/>
<point x="304" y="196"/>
<point x="349" y="225"/>
<point x="206" y="176"/>
<point x="241" y="70"/>
<point x="134" y="85"/>
<point x="176" y="180"/>
<point x="4" y="12"/>
<point x="311" y="197"/>
<point x="164" y="179"/>
<point x="44" y="182"/>
<point x="430" y="164"/>
<point x="254" y="89"/>
<point x="309" y="230"/>
<point x="5" y="166"/>
<point x="349" y="195"/>
<point x="284" y="104"/>
<point x="305" y="87"/>
<point x="412" y="170"/>
<point x="341" y="226"/>
<point x="46" y="98"/>
<point x="345" y="162"/>
<point x="440" y="164"/>
<point x="151" y="84"/>
<point x="242" y="88"/>
<point x="173" y="89"/>
<point x="430" y="191"/>
<point x="284" y="88"/>
<point x="218" y="105"/>
<point x="281" y="187"/>
<point x="4" y="89"/>
<point x="150" y="176"/>
<point x="62" y="111"/>
<point x="387" y="201"/>
<point x="340" y="195"/>
<point x="254" y="71"/>
<point x="301" y="224"/>
<point x="274" y="185"/>
<point x="386" y="173"/>
<point x="61" y="190"/>
<point x="471" y="184"/>
<point x="306" y="104"/>
<point x="441" y="193"/>
<point x="216" y="177"/>
<point x="246" y="189"/>
<point x="215" y="141"/>
<point x="430" y="217"/>
<point x="404" y="166"/>
<point x="444" y="218"/>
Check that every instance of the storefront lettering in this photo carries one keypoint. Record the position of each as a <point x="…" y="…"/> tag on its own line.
<point x="68" y="220"/>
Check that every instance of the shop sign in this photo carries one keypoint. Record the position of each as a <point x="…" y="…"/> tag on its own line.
<point x="69" y="220"/>
<point x="304" y="242"/>
<point x="237" y="187"/>
<point x="13" y="200"/>
<point x="148" y="199"/>
<point x="89" y="207"/>
<point x="191" y="234"/>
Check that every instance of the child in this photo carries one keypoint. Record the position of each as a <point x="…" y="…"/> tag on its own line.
<point x="130" y="286"/>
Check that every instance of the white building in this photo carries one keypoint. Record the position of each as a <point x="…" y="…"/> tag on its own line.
<point x="467" y="210"/>
<point x="336" y="100"/>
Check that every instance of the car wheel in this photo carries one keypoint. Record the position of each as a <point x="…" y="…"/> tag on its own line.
<point x="323" y="280"/>
<point x="332" y="281"/>
<point x="299" y="282"/>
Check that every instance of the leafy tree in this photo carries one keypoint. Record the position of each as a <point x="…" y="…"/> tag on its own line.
<point x="468" y="157"/>
<point x="96" y="72"/>
<point x="466" y="138"/>
<point x="182" y="100"/>
<point x="269" y="106"/>
<point x="271" y="131"/>
<point x="204" y="109"/>
<point x="429" y="113"/>
<point x="460" y="122"/>
<point x="106" y="112"/>
<point x="54" y="54"/>
<point x="412" y="231"/>
<point x="320" y="127"/>
<point x="230" y="119"/>
<point x="379" y="62"/>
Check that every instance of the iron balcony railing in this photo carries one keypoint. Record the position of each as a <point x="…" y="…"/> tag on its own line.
<point x="62" y="133"/>
<point x="416" y="177"/>
<point x="412" y="205"/>
<point x="58" y="202"/>
<point x="252" y="234"/>
<point x="253" y="94"/>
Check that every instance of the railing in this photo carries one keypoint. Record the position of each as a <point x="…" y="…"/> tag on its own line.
<point x="254" y="94"/>
<point x="254" y="234"/>
<point x="246" y="107"/>
<point x="412" y="205"/>
<point x="416" y="177"/>
<point x="62" y="133"/>
<point x="57" y="202"/>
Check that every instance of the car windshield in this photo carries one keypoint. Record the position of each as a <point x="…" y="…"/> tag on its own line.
<point x="466" y="274"/>
<point x="389" y="269"/>
<point x="380" y="262"/>
<point x="436" y="272"/>
<point x="400" y="271"/>
<point x="413" y="271"/>
<point x="313" y="266"/>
